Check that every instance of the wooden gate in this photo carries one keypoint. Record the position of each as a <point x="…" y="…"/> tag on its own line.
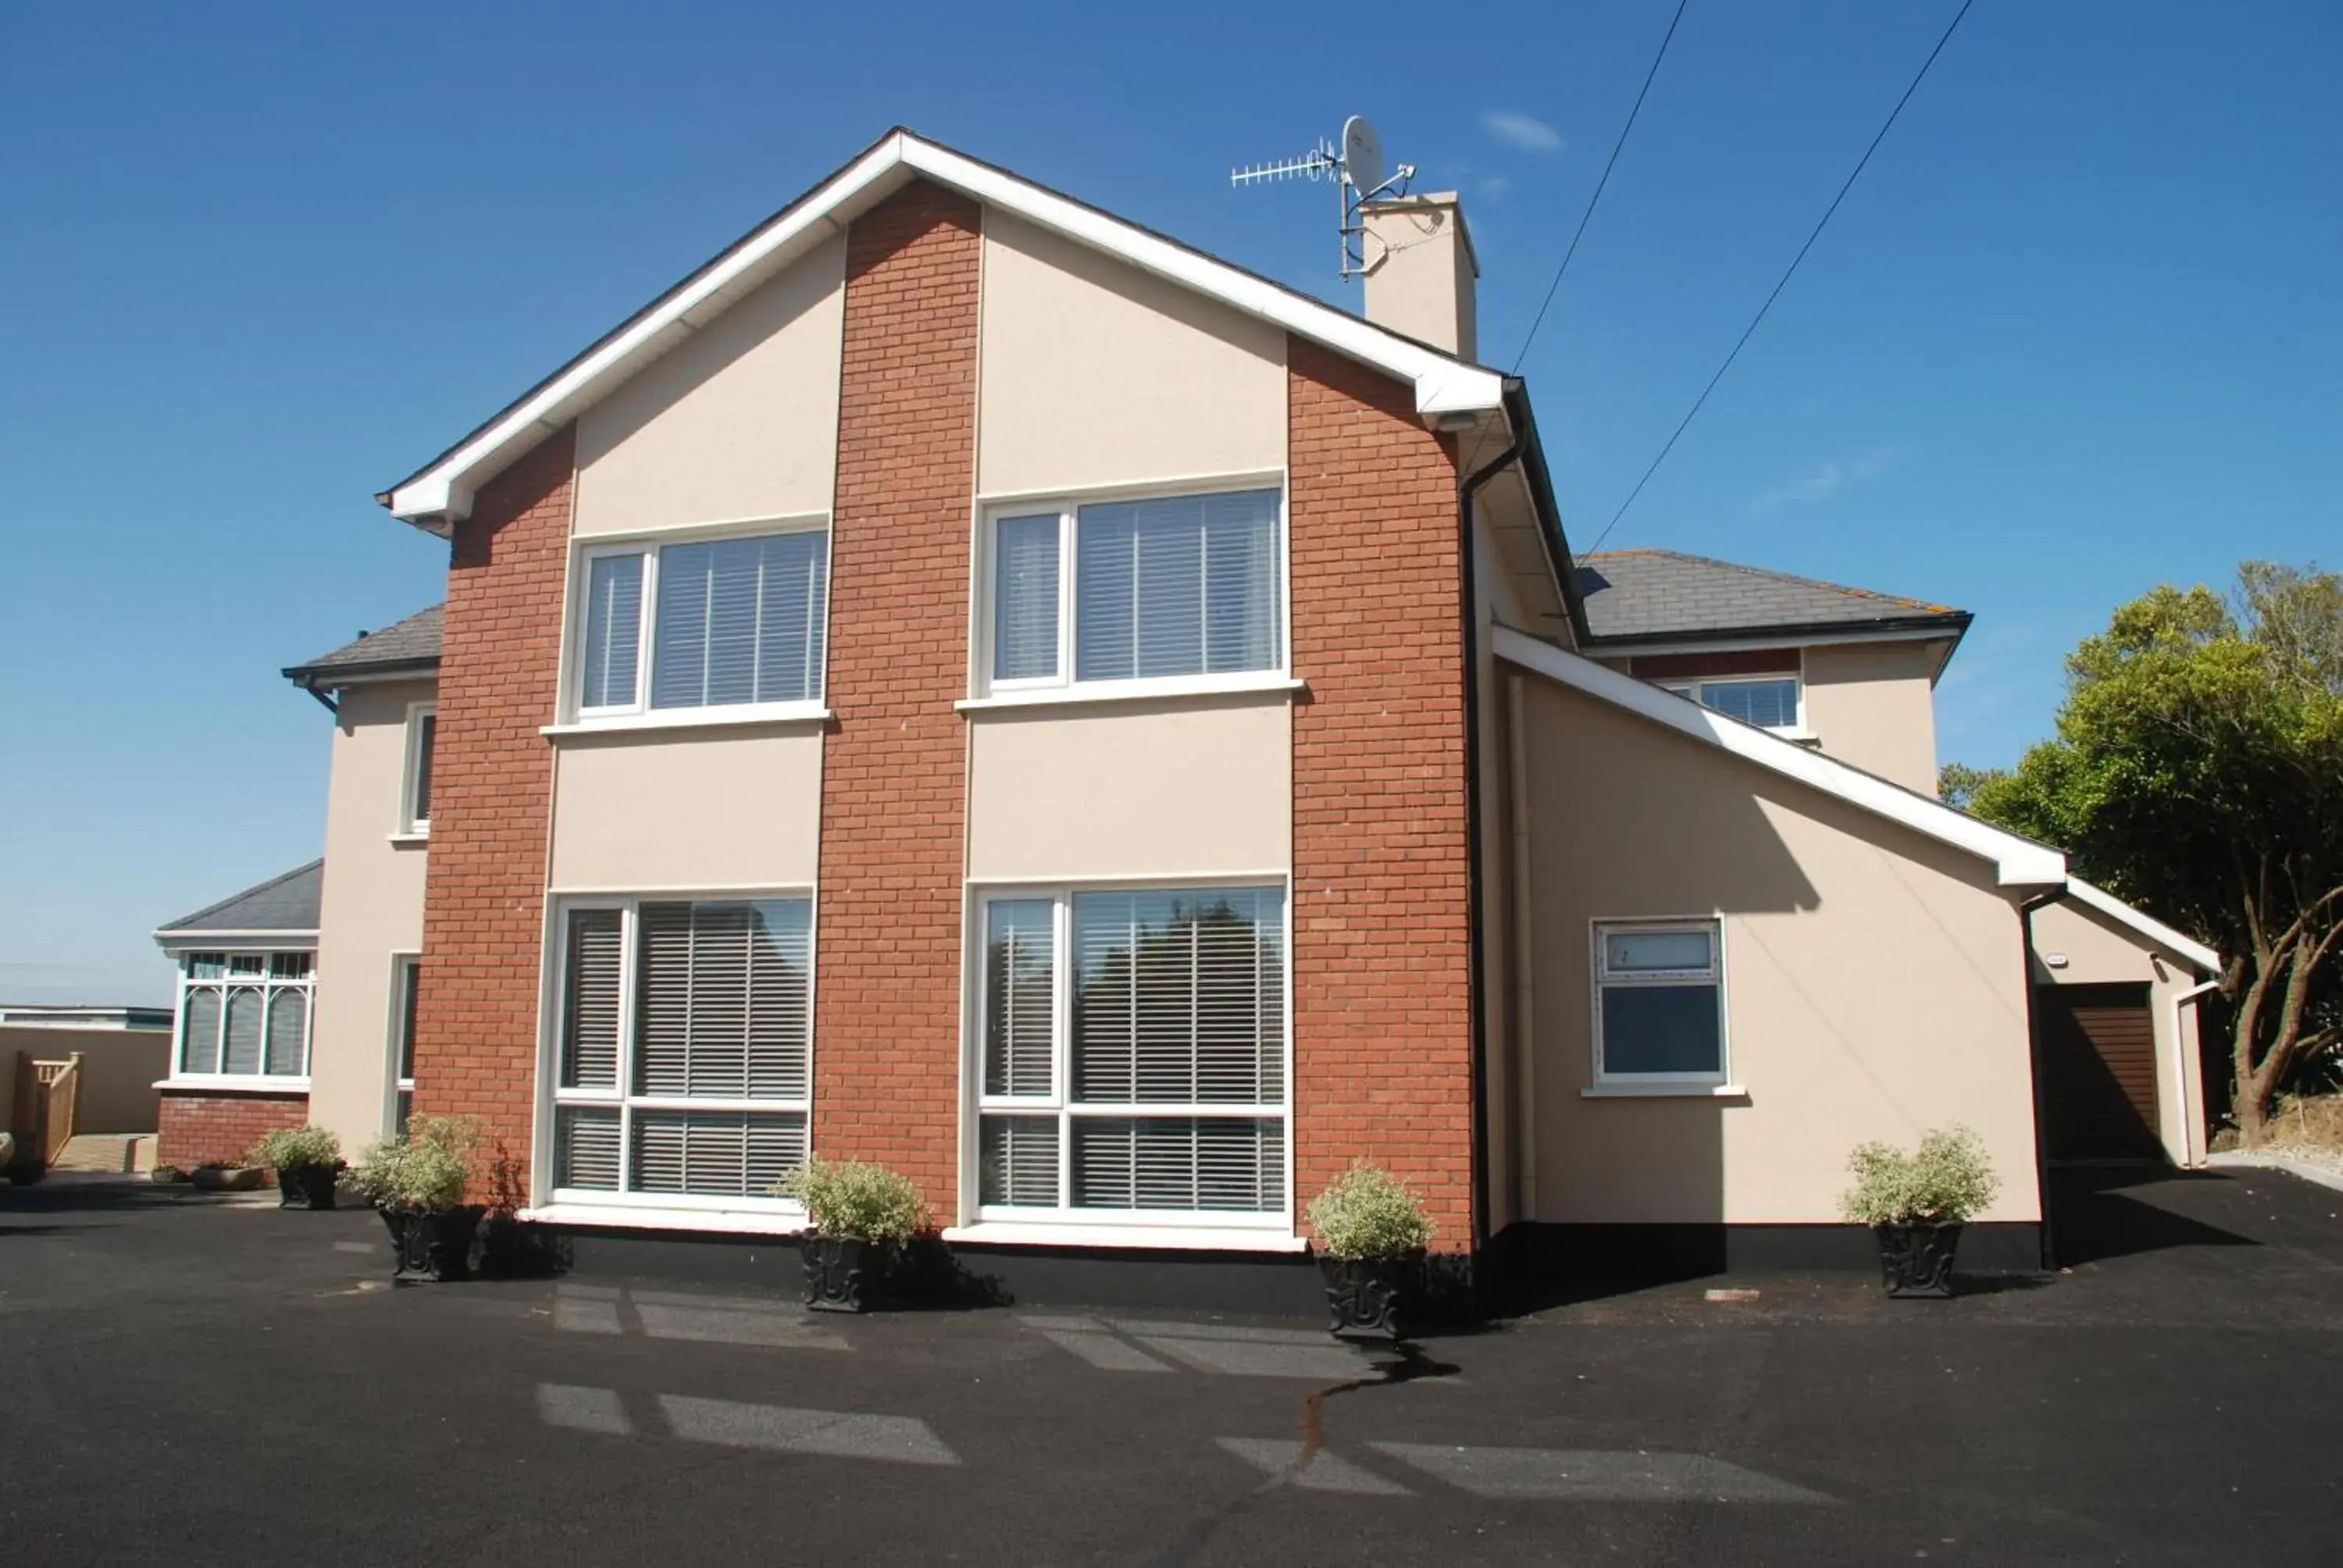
<point x="48" y="1101"/>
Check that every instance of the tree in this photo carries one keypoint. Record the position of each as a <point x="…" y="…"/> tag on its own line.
<point x="2197" y="772"/>
<point x="1958" y="783"/>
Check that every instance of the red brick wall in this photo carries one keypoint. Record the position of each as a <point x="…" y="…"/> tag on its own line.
<point x="887" y="990"/>
<point x="1382" y="965"/>
<point x="491" y="793"/>
<point x="221" y="1128"/>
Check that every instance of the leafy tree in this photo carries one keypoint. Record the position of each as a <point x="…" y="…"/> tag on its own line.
<point x="1958" y="783"/>
<point x="2198" y="772"/>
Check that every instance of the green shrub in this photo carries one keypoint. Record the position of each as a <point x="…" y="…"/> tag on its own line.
<point x="291" y="1147"/>
<point x="425" y="1168"/>
<point x="1368" y="1212"/>
<point x="847" y="1198"/>
<point x="1945" y="1182"/>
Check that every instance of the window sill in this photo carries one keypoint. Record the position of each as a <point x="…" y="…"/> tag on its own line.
<point x="237" y="1084"/>
<point x="1665" y="1092"/>
<point x="1178" y="1238"/>
<point x="1111" y="692"/>
<point x="808" y="714"/>
<point x="643" y="1217"/>
<point x="408" y="841"/>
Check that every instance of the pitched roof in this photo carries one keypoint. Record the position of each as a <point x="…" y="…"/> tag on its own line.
<point x="2092" y="896"/>
<point x="2017" y="862"/>
<point x="1665" y="594"/>
<point x="285" y="905"/>
<point x="1443" y="383"/>
<point x="412" y="644"/>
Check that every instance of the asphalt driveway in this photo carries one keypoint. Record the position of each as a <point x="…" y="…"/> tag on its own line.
<point x="192" y="1380"/>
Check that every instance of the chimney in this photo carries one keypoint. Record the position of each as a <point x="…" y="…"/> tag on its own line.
<point x="1420" y="272"/>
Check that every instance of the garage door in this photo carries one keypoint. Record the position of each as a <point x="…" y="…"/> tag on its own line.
<point x="2098" y="1072"/>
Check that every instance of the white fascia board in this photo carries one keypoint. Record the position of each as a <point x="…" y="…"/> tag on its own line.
<point x="1443" y="385"/>
<point x="290" y="941"/>
<point x="2093" y="896"/>
<point x="2018" y="862"/>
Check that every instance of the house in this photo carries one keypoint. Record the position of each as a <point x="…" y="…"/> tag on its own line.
<point x="964" y="681"/>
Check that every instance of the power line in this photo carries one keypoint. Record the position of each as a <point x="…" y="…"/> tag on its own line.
<point x="1754" y="321"/>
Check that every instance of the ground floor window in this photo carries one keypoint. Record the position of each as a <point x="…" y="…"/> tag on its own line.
<point x="1659" y="1002"/>
<point x="682" y="1061"/>
<point x="246" y="1015"/>
<point x="406" y="982"/>
<point x="1132" y="1055"/>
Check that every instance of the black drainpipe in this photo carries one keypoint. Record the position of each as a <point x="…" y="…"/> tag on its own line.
<point x="2033" y="1055"/>
<point x="1478" y="1002"/>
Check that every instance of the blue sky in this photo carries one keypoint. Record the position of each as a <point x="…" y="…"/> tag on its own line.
<point x="2077" y="331"/>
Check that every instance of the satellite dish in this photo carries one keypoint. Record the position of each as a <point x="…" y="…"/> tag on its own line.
<point x="1362" y="155"/>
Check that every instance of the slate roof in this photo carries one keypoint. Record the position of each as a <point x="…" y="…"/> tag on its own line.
<point x="411" y="643"/>
<point x="286" y="903"/>
<point x="1665" y="596"/>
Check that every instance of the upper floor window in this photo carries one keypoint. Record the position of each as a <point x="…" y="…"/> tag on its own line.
<point x="732" y="622"/>
<point x="1172" y="587"/>
<point x="422" y="740"/>
<point x="1767" y="701"/>
<point x="244" y="1015"/>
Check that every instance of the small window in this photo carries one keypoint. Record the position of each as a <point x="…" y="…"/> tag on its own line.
<point x="422" y="740"/>
<point x="406" y="994"/>
<point x="1769" y="702"/>
<point x="1659" y="1002"/>
<point x="726" y="623"/>
<point x="1167" y="588"/>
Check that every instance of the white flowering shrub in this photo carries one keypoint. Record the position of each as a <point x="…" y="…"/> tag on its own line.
<point x="1368" y="1212"/>
<point x="426" y="1168"/>
<point x="291" y="1147"/>
<point x="850" y="1197"/>
<point x="1946" y="1182"/>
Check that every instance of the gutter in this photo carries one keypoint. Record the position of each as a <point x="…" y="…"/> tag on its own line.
<point x="2026" y="910"/>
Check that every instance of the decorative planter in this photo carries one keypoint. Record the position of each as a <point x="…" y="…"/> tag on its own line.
<point x="431" y="1247"/>
<point x="1917" y="1259"/>
<point x="227" y="1178"/>
<point x="843" y="1273"/>
<point x="1372" y="1298"/>
<point x="306" y="1186"/>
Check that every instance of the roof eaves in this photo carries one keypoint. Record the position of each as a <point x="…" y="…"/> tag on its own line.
<point x="2091" y="895"/>
<point x="1938" y="622"/>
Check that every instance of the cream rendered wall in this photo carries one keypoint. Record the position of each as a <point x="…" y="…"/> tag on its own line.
<point x="652" y="811"/>
<point x="1875" y="981"/>
<point x="1095" y="374"/>
<point x="1872" y="704"/>
<point x="371" y="910"/>
<point x="739" y="420"/>
<point x="1199" y="787"/>
<point x="2099" y="952"/>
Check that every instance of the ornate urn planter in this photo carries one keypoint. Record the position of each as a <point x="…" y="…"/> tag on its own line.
<point x="306" y="1186"/>
<point x="843" y="1273"/>
<point x="431" y="1246"/>
<point x="1917" y="1259"/>
<point x="1372" y="1298"/>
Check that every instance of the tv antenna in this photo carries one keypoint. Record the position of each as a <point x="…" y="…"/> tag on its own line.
<point x="1360" y="175"/>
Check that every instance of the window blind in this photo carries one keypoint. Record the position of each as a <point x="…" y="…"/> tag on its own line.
<point x="740" y="620"/>
<point x="1020" y="989"/>
<point x="1025" y="598"/>
<point x="720" y="1153"/>
<point x="1768" y="704"/>
<point x="585" y="1140"/>
<point x="289" y="1032"/>
<point x="614" y="628"/>
<point x="426" y="735"/>
<point x="724" y="992"/>
<point x="1184" y="585"/>
<point x="590" y="1004"/>
<point x="1186" y="1162"/>
<point x="201" y="1054"/>
<point x="1179" y="997"/>
<point x="241" y="1053"/>
<point x="1018" y="1161"/>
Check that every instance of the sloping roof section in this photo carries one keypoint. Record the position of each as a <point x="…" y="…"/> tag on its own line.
<point x="443" y="487"/>
<point x="285" y="905"/>
<point x="412" y="644"/>
<point x="1664" y="595"/>
<point x="2018" y="862"/>
<point x="2094" y="897"/>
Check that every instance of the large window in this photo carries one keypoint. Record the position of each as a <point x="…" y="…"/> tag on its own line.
<point x="1659" y="1002"/>
<point x="734" y="623"/>
<point x="1133" y="1061"/>
<point x="1767" y="701"/>
<point x="684" y="1054"/>
<point x="244" y="1015"/>
<point x="1172" y="587"/>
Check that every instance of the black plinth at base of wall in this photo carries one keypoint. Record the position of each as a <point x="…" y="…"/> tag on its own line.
<point x="1533" y="1253"/>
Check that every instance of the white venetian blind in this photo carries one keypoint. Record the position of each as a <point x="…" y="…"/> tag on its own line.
<point x="1234" y="1164"/>
<point x="1179" y="997"/>
<point x="723" y="1000"/>
<point x="289" y="1032"/>
<point x="614" y="628"/>
<point x="1019" y="989"/>
<point x="244" y="1011"/>
<point x="585" y="1140"/>
<point x="589" y="1028"/>
<point x="1186" y="585"/>
<point x="203" y="1030"/>
<point x="740" y="620"/>
<point x="1018" y="1161"/>
<point x="717" y="1153"/>
<point x="1025" y="598"/>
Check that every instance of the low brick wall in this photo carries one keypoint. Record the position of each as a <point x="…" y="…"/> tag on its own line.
<point x="208" y="1128"/>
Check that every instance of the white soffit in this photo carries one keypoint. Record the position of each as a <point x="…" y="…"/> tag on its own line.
<point x="2093" y="896"/>
<point x="2018" y="862"/>
<point x="1443" y="385"/>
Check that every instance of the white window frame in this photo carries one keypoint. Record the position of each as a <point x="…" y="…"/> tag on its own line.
<point x="786" y="1213"/>
<point x="1066" y="1222"/>
<point x="405" y="969"/>
<point x="413" y="824"/>
<point x="1689" y="687"/>
<point x="1600" y="980"/>
<point x="1068" y="504"/>
<point x="648" y="544"/>
<point x="269" y="984"/>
